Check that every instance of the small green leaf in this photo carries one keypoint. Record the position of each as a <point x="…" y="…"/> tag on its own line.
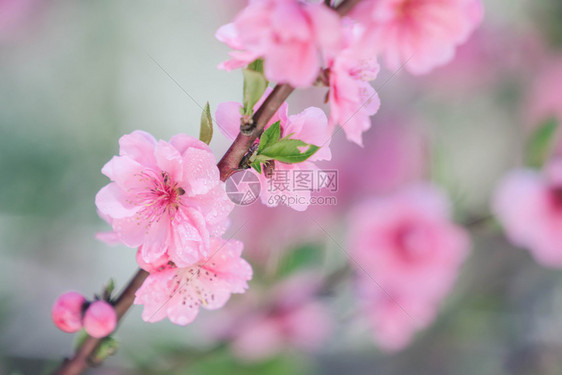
<point x="307" y="255"/>
<point x="206" y="129"/>
<point x="256" y="65"/>
<point x="288" y="136"/>
<point x="270" y="136"/>
<point x="108" y="290"/>
<point x="107" y="347"/>
<point x="287" y="151"/>
<point x="257" y="161"/>
<point x="257" y="166"/>
<point x="540" y="143"/>
<point x="254" y="87"/>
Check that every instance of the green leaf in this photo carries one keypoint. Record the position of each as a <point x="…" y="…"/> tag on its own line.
<point x="287" y="151"/>
<point x="270" y="136"/>
<point x="256" y="65"/>
<point x="257" y="166"/>
<point x="108" y="290"/>
<point x="107" y="347"/>
<point x="206" y="129"/>
<point x="308" y="255"/>
<point x="288" y="136"/>
<point x="254" y="87"/>
<point x="540" y="143"/>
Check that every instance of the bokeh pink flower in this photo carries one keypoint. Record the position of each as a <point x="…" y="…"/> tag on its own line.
<point x="528" y="204"/>
<point x="292" y="36"/>
<point x="292" y="317"/>
<point x="394" y="317"/>
<point x="304" y="327"/>
<point x="165" y="196"/>
<point x="406" y="245"/>
<point x="419" y="35"/>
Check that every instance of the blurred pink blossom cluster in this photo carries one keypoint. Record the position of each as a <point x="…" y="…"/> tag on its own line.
<point x="303" y="43"/>
<point x="407" y="252"/>
<point x="167" y="199"/>
<point x="292" y="316"/>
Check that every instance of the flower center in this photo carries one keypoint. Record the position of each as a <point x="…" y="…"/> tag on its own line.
<point x="410" y="10"/>
<point x="366" y="70"/>
<point x="192" y="285"/>
<point x="408" y="241"/>
<point x="160" y="196"/>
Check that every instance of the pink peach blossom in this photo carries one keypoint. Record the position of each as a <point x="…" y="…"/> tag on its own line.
<point x="408" y="241"/>
<point x="310" y="126"/>
<point x="100" y="319"/>
<point x="67" y="311"/>
<point x="419" y="34"/>
<point x="529" y="206"/>
<point x="178" y="292"/>
<point x="352" y="99"/>
<point x="409" y="252"/>
<point x="165" y="196"/>
<point x="292" y="36"/>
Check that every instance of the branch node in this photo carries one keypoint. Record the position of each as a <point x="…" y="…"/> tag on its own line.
<point x="247" y="125"/>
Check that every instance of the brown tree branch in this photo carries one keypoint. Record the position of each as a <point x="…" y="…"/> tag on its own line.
<point x="231" y="160"/>
<point x="227" y="165"/>
<point x="345" y="6"/>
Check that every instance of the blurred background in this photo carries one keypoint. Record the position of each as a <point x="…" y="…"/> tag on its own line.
<point x="75" y="76"/>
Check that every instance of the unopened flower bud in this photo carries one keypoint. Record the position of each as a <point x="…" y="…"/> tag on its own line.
<point x="67" y="311"/>
<point x="100" y="319"/>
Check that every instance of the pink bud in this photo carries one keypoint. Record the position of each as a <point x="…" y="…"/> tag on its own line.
<point x="67" y="311"/>
<point x="100" y="319"/>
